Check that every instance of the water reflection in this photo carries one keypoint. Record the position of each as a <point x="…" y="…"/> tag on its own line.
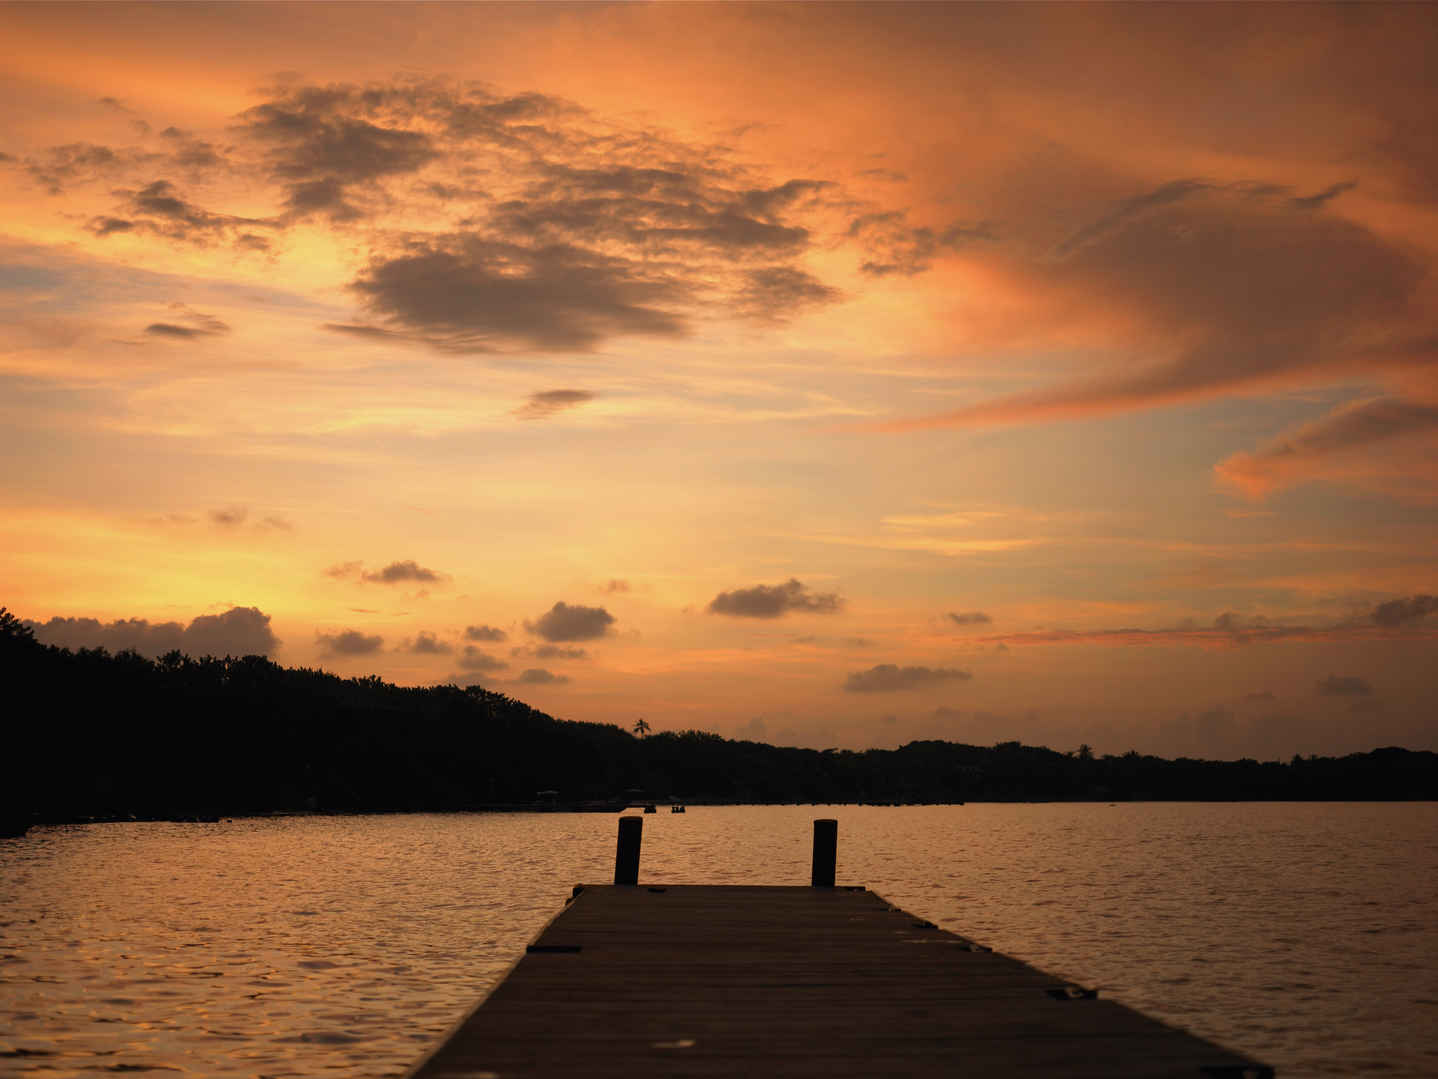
<point x="1304" y="934"/>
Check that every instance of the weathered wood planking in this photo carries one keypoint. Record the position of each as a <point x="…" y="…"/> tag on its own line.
<point x="687" y="980"/>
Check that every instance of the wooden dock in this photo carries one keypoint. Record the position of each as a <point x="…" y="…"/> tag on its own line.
<point x="686" y="980"/>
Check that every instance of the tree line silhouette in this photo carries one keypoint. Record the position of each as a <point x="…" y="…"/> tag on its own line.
<point x="95" y="735"/>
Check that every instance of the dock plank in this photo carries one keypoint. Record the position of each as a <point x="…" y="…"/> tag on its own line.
<point x="699" y="981"/>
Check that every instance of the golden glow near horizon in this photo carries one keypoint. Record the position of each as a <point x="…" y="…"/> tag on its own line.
<point x="826" y="375"/>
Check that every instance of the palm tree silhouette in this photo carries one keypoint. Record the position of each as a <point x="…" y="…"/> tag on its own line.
<point x="641" y="728"/>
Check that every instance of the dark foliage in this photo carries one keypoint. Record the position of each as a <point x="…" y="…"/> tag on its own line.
<point x="96" y="735"/>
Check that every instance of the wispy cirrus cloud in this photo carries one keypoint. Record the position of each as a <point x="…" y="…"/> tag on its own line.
<point x="1405" y="616"/>
<point x="543" y="404"/>
<point x="1333" y="446"/>
<point x="891" y="678"/>
<point x="1223" y="287"/>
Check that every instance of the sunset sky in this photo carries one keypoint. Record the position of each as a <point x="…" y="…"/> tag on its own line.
<point x="823" y="375"/>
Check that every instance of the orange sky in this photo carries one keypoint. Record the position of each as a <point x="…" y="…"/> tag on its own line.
<point x="830" y="375"/>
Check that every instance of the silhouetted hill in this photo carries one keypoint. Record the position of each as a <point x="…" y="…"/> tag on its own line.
<point x="92" y="734"/>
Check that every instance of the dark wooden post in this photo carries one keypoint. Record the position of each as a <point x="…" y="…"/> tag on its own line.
<point x="626" y="854"/>
<point x="826" y="842"/>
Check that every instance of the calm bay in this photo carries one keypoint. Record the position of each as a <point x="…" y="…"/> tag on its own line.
<point x="1302" y="933"/>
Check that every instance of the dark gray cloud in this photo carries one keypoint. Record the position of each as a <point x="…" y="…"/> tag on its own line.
<point x="562" y="229"/>
<point x="772" y="601"/>
<point x="109" y="226"/>
<point x="545" y="403"/>
<point x="538" y="676"/>
<point x="193" y="154"/>
<point x="467" y="294"/>
<point x="169" y="329"/>
<point x="484" y="633"/>
<point x="969" y="618"/>
<point x="896" y="247"/>
<point x="1315" y="201"/>
<point x="322" y="146"/>
<point x="571" y="622"/>
<point x="427" y="644"/>
<point x="240" y="631"/>
<point x="77" y="163"/>
<point x="474" y="659"/>
<point x="229" y="516"/>
<point x="350" y="642"/>
<point x="549" y="651"/>
<point x="777" y="293"/>
<point x="591" y="230"/>
<point x="889" y="678"/>
<point x="402" y="572"/>
<point x="158" y="208"/>
<point x="1338" y="685"/>
<point x="188" y="325"/>
<point x="1398" y="612"/>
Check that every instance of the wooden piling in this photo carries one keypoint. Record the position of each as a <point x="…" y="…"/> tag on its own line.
<point x="826" y="844"/>
<point x="626" y="852"/>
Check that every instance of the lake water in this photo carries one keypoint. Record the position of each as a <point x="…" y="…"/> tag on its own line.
<point x="1304" y="934"/>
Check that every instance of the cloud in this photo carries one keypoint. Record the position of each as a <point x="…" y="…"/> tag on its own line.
<point x="897" y="248"/>
<point x="549" y="651"/>
<point x="192" y="324"/>
<point x="467" y="294"/>
<point x="772" y="601"/>
<point x="401" y="572"/>
<point x="158" y="208"/>
<point x="1337" y="685"/>
<point x="321" y="145"/>
<point x="584" y="230"/>
<point x="1385" y="620"/>
<point x="229" y="517"/>
<point x="1325" y="448"/>
<point x="538" y="676"/>
<point x="427" y="644"/>
<point x="776" y="293"/>
<point x="566" y="622"/>
<point x="374" y="333"/>
<point x="240" y="631"/>
<point x="1223" y="287"/>
<point x="76" y="163"/>
<point x="190" y="153"/>
<point x="888" y="678"/>
<point x="350" y="642"/>
<point x="969" y="618"/>
<point x="484" y="633"/>
<point x="546" y="403"/>
<point x="473" y="659"/>
<point x="1398" y="612"/>
<point x="1321" y="198"/>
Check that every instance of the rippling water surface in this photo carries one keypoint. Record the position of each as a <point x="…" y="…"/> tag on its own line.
<point x="1304" y="934"/>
